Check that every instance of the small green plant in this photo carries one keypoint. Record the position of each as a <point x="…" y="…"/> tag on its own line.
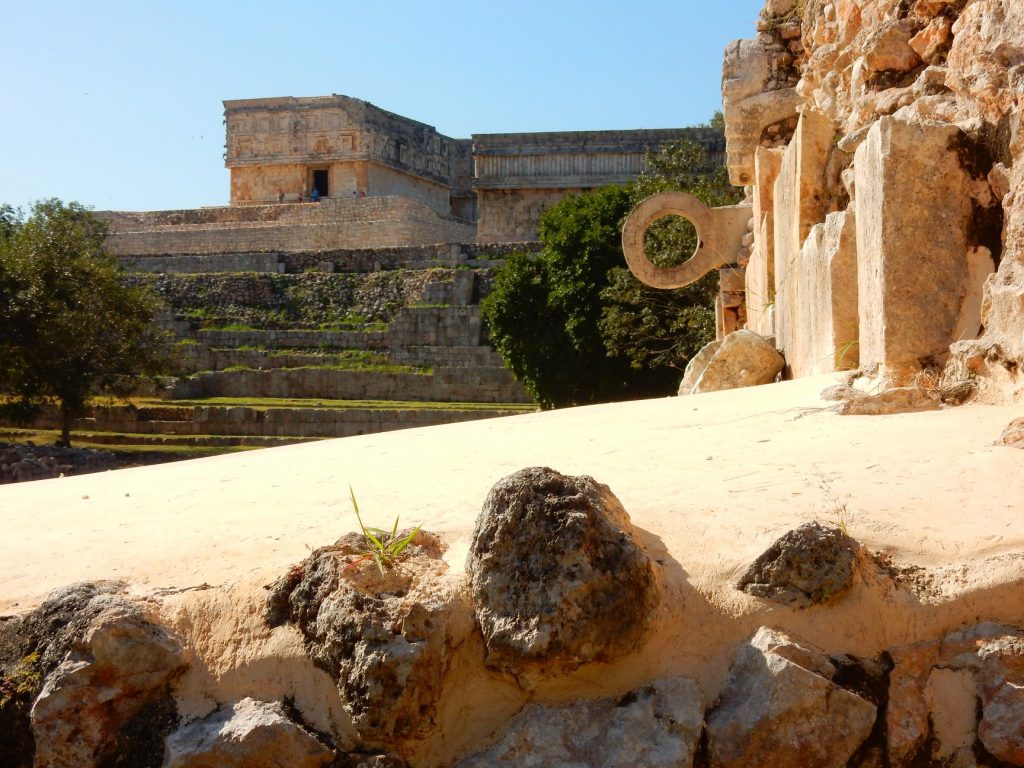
<point x="22" y="681"/>
<point x="383" y="547"/>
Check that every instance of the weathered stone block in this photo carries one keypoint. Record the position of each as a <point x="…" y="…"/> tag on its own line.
<point x="820" y="299"/>
<point x="799" y="203"/>
<point x="780" y="709"/>
<point x="760" y="275"/>
<point x="743" y="359"/>
<point x="913" y="213"/>
<point x="656" y="726"/>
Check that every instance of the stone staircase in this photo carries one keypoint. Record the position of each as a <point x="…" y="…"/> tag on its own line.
<point x="237" y="388"/>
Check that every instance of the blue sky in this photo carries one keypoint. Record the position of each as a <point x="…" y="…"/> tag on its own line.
<point x="118" y="105"/>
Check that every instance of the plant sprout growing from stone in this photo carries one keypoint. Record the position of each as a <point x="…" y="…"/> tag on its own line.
<point x="383" y="547"/>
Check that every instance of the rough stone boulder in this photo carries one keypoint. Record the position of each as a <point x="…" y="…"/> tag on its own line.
<point x="245" y="734"/>
<point x="953" y="699"/>
<point x="811" y="564"/>
<point x="386" y="638"/>
<point x="558" y="577"/>
<point x="742" y="359"/>
<point x="1013" y="435"/>
<point x="657" y="726"/>
<point x="780" y="708"/>
<point x="99" y="672"/>
<point x="697" y="365"/>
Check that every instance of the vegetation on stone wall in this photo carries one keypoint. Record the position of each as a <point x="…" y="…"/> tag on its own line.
<point x="574" y="325"/>
<point x="312" y="300"/>
<point x="70" y="326"/>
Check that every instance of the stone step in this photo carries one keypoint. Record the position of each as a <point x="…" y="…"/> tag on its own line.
<point x="294" y="339"/>
<point x="443" y="385"/>
<point x="192" y="358"/>
<point x="292" y="424"/>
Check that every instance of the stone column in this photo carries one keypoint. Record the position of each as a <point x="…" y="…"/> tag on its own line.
<point x="913" y="210"/>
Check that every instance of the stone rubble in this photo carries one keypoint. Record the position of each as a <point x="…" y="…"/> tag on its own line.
<point x="558" y="577"/>
<point x="656" y="726"/>
<point x="742" y="359"/>
<point x="809" y="565"/>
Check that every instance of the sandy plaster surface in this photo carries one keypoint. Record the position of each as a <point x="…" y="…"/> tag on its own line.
<point x="711" y="479"/>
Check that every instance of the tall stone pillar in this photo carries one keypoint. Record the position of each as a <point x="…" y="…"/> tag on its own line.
<point x="913" y="211"/>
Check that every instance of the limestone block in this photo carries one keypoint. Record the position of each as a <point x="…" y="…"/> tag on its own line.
<point x="913" y="214"/>
<point x="695" y="368"/>
<point x="744" y="359"/>
<point x="760" y="275"/>
<point x="558" y="578"/>
<point x="819" y="300"/>
<point x="888" y="48"/>
<point x="780" y="709"/>
<point x="656" y="726"/>
<point x="800" y="198"/>
<point x="245" y="734"/>
<point x="750" y="103"/>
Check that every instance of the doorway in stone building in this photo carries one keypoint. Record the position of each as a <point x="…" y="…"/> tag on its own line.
<point x="320" y="182"/>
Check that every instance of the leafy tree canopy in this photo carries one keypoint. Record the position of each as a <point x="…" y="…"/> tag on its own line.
<point x="574" y="325"/>
<point x="70" y="326"/>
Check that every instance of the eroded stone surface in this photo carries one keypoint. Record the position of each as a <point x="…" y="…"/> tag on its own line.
<point x="656" y="726"/>
<point x="697" y="365"/>
<point x="557" y="575"/>
<point x="780" y="709"/>
<point x="247" y="733"/>
<point x="101" y="677"/>
<point x="935" y="688"/>
<point x="1013" y="435"/>
<point x="889" y="401"/>
<point x="744" y="359"/>
<point x="386" y="639"/>
<point x="809" y="565"/>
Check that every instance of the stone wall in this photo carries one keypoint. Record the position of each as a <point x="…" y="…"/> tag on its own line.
<point x="877" y="140"/>
<point x="518" y="176"/>
<point x="472" y="255"/>
<point x="341" y="223"/>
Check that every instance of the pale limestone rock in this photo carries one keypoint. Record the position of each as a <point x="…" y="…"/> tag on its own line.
<point x="888" y="401"/>
<point x="821" y="295"/>
<point x="744" y="359"/>
<point x="930" y="41"/>
<point x="1013" y="435"/>
<point x="799" y="203"/>
<point x="760" y="274"/>
<point x="247" y="733"/>
<point x="780" y="709"/>
<point x="656" y="726"/>
<point x="557" y="575"/>
<point x="913" y="212"/>
<point x="951" y="697"/>
<point x="751" y="102"/>
<point x="386" y="639"/>
<point x="698" y="363"/>
<point x="888" y="48"/>
<point x="933" y="693"/>
<point x="111" y="693"/>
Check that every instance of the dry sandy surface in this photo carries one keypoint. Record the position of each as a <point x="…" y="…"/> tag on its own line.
<point x="709" y="481"/>
<point x="712" y="478"/>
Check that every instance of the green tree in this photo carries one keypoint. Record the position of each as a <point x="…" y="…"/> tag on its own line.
<point x="574" y="325"/>
<point x="70" y="326"/>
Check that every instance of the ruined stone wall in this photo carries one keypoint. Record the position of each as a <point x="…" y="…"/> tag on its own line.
<point x="512" y="215"/>
<point x="879" y="142"/>
<point x="369" y="222"/>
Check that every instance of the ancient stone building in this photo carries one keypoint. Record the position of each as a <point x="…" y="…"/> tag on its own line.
<point x="518" y="176"/>
<point x="384" y="181"/>
<point x="281" y="149"/>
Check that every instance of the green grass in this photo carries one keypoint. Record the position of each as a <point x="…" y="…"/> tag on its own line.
<point x="263" y="403"/>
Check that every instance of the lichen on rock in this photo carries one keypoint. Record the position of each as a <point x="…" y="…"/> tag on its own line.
<point x="558" y="576"/>
<point x="809" y="565"/>
<point x="385" y="638"/>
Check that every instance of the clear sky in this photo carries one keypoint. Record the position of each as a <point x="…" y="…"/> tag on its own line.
<point x="118" y="105"/>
